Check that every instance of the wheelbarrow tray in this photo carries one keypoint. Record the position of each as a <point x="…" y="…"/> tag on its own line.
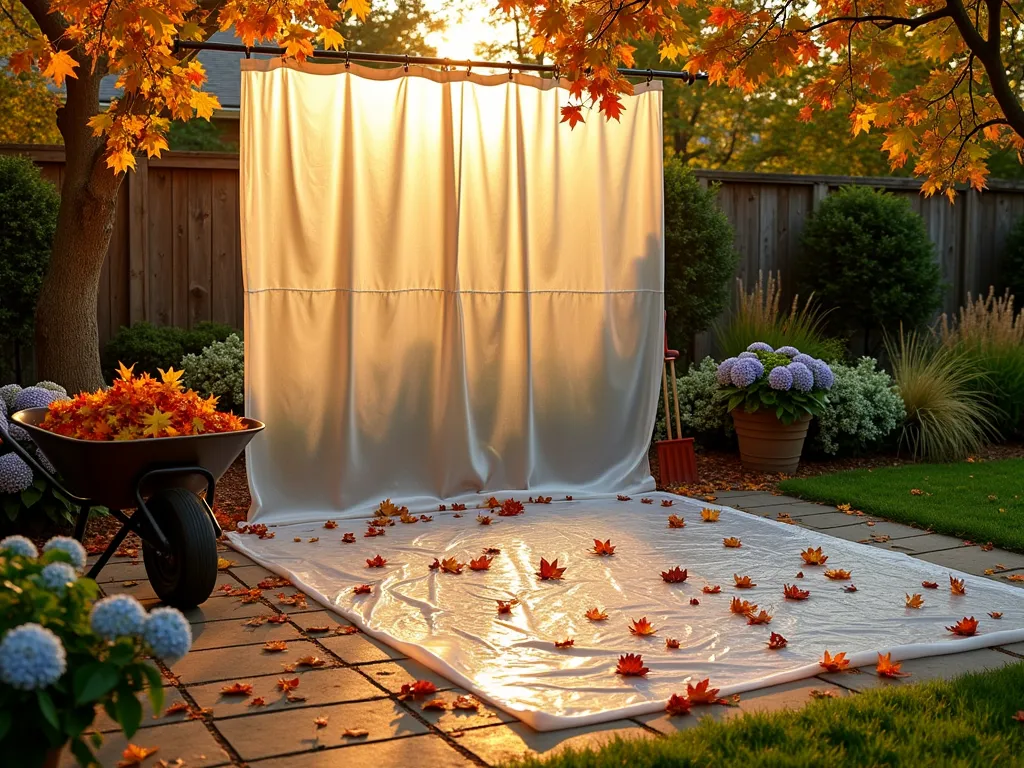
<point x="106" y="472"/>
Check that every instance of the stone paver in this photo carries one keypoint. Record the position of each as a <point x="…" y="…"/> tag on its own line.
<point x="124" y="570"/>
<point x="917" y="545"/>
<point x="393" y="675"/>
<point x="359" y="649"/>
<point x="974" y="559"/>
<point x="225" y="634"/>
<point x="460" y="719"/>
<point x="190" y="742"/>
<point x="501" y="743"/>
<point x="862" y="532"/>
<point x="928" y="668"/>
<point x="218" y="608"/>
<point x="294" y="730"/>
<point x="762" y="499"/>
<point x="413" y="751"/>
<point x="1017" y="648"/>
<point x="251" y="575"/>
<point x="796" y="511"/>
<point x="319" y="686"/>
<point x="227" y="663"/>
<point x="139" y="588"/>
<point x="104" y="724"/>
<point x="831" y="520"/>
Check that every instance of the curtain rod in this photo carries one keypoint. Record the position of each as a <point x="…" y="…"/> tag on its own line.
<point x="394" y="58"/>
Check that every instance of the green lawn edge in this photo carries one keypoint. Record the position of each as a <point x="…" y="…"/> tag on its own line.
<point x="982" y="502"/>
<point x="967" y="721"/>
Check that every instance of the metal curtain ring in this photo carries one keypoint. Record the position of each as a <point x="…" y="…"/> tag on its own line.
<point x="346" y="59"/>
<point x="445" y="66"/>
<point x="509" y="69"/>
<point x="556" y="74"/>
<point x="650" y="75"/>
<point x="407" y="62"/>
<point x="247" y="52"/>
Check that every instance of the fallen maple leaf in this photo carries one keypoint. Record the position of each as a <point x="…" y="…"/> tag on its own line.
<point x="914" y="601"/>
<point x="1015" y="577"/>
<point x="484" y="519"/>
<point x="799" y="574"/>
<point x="543" y="500"/>
<point x="777" y="641"/>
<point x="741" y="607"/>
<point x="376" y="562"/>
<point x="257" y="701"/>
<point x="466" y="702"/>
<point x="996" y="614"/>
<point x="603" y="547"/>
<point x="492" y="503"/>
<point x="320" y="722"/>
<point x="642" y="627"/>
<point x="886" y="667"/>
<point x="313" y="540"/>
<point x="278" y="618"/>
<point x="596" y="614"/>
<point x="371" y="532"/>
<point x="452" y="565"/>
<point x="362" y="589"/>
<point x="438" y="704"/>
<point x="274" y="582"/>
<point x="286" y="685"/>
<point x="930" y="584"/>
<point x="671" y="643"/>
<point x="668" y="502"/>
<point x="694" y="601"/>
<point x="837" y="574"/>
<point x="330" y="525"/>
<point x="813" y="556"/>
<point x="966" y="627"/>
<point x="916" y="492"/>
<point x="818" y="693"/>
<point x="620" y="497"/>
<point x="135" y="755"/>
<point x="956" y="586"/>
<point x="408" y="519"/>
<point x="711" y="590"/>
<point x="850" y="588"/>
<point x="223" y="563"/>
<point x="675" y="575"/>
<point x="506" y="606"/>
<point x="793" y="592"/>
<point x="511" y="508"/>
<point x="645" y="500"/>
<point x="416" y="689"/>
<point x="275" y="646"/>
<point x="677" y="705"/>
<point x="350" y="630"/>
<point x="568" y="498"/>
<point x="310" y="661"/>
<point x="458" y="507"/>
<point x="732" y="542"/>
<point x="675" y="521"/>
<point x="319" y="628"/>
<point x="481" y="563"/>
<point x="709" y="515"/>
<point x="702" y="693"/>
<point x="348" y="538"/>
<point x="176" y="708"/>
<point x="550" y="571"/>
<point x="631" y="665"/>
<point x="387" y="508"/>
<point x="761" y="618"/>
<point x="835" y="663"/>
<point x="743" y="582"/>
<point x="354" y="733"/>
<point x="567" y="643"/>
<point x="442" y="507"/>
<point x="199" y="713"/>
<point x="236" y="689"/>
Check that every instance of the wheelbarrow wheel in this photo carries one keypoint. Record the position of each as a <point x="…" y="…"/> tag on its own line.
<point x="186" y="576"/>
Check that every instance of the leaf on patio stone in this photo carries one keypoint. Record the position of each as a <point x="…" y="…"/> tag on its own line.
<point x="129" y="584"/>
<point x="198" y="713"/>
<point x="324" y="628"/>
<point x="436" y="704"/>
<point x="310" y="661"/>
<point x="677" y="705"/>
<point x="255" y="621"/>
<point x="467" y="703"/>
<point x="320" y="722"/>
<point x="347" y="630"/>
<point x="236" y="689"/>
<point x="274" y="582"/>
<point x="354" y="733"/>
<point x="257" y="701"/>
<point x="886" y="667"/>
<point x="416" y="689"/>
<point x="286" y="685"/>
<point x="818" y="693"/>
<point x="275" y="646"/>
<point x="176" y="708"/>
<point x="135" y="755"/>
<point x="1016" y="577"/>
<point x="278" y="618"/>
<point x="252" y="595"/>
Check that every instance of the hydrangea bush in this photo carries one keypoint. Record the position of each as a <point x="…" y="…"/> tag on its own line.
<point x="700" y="410"/>
<point x="63" y="653"/>
<point x="864" y="408"/>
<point x="787" y="382"/>
<point x="219" y="370"/>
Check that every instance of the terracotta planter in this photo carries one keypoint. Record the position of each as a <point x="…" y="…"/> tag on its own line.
<point x="768" y="445"/>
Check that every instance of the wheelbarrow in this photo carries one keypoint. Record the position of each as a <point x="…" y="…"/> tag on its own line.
<point x="168" y="481"/>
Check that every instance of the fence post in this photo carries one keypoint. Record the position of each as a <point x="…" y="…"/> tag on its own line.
<point x="138" y="241"/>
<point x="819" y="195"/>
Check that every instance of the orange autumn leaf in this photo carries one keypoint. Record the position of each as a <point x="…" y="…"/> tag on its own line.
<point x="483" y="519"/>
<point x="694" y="601"/>
<point x="742" y="607"/>
<point x="467" y="703"/>
<point x="996" y="614"/>
<point x="837" y="574"/>
<point x="362" y="589"/>
<point x="707" y="589"/>
<point x="452" y="565"/>
<point x="481" y="563"/>
<point x="330" y="525"/>
<point x="646" y="500"/>
<point x="731" y="542"/>
<point x="376" y="562"/>
<point x="458" y="508"/>
<point x="761" y="618"/>
<point x="929" y="585"/>
<point x="850" y="588"/>
<point x="835" y="663"/>
<point x="596" y="614"/>
<point x="641" y="628"/>
<point x="416" y="689"/>
<point x="966" y="627"/>
<point x="956" y="586"/>
<point x="668" y="502"/>
<point x="438" y="704"/>
<point x="777" y="641"/>
<point x="675" y="575"/>
<point x="914" y="601"/>
<point x="550" y="571"/>
<point x="511" y="508"/>
<point x="387" y="508"/>
<point x="348" y="538"/>
<point x="236" y="689"/>
<point x="506" y="606"/>
<point x="603" y="547"/>
<point x="743" y="582"/>
<point x="257" y="701"/>
<point x="671" y="643"/>
<point x="702" y="692"/>
<point x="675" y="521"/>
<point x="320" y="722"/>
<point x="620" y="497"/>
<point x="286" y="685"/>
<point x="354" y="733"/>
<point x="631" y="665"/>
<point x="313" y="540"/>
<point x="813" y="556"/>
<point x="176" y="708"/>
<point x="543" y="500"/>
<point x="709" y="515"/>
<point x="563" y="644"/>
<point x="133" y="754"/>
<point x="677" y="706"/>
<point x="886" y="667"/>
<point x="435" y="566"/>
<point x="275" y="646"/>
<point x="793" y="592"/>
<point x="310" y="661"/>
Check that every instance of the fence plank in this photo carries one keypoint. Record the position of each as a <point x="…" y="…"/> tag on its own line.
<point x="161" y="246"/>
<point x="224" y="244"/>
<point x="200" y="244"/>
<point x="180" y="246"/>
<point x="138" y="241"/>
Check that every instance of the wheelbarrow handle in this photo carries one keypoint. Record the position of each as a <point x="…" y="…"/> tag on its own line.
<point x="29" y="459"/>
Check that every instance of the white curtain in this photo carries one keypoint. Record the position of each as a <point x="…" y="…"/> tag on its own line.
<point x="447" y="291"/>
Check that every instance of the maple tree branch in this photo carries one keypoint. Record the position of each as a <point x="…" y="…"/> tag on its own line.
<point x="883" y="21"/>
<point x="14" y="22"/>
<point x="994" y="20"/>
<point x="1013" y="11"/>
<point x="51" y="24"/>
<point x="970" y="135"/>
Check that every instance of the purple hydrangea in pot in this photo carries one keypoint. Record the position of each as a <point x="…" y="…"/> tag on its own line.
<point x="63" y="654"/>
<point x="772" y="396"/>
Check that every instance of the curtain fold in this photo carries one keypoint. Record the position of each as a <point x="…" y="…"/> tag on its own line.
<point x="448" y="292"/>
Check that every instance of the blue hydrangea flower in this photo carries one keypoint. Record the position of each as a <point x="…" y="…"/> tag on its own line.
<point x="803" y="379"/>
<point x="31" y="657"/>
<point x="18" y="545"/>
<point x="15" y="474"/>
<point x="53" y="386"/>
<point x="760" y="346"/>
<point x="3" y="411"/>
<point x="746" y="355"/>
<point x="7" y="393"/>
<point x="70" y="547"/>
<point x="117" y="616"/>
<point x="723" y="371"/>
<point x="168" y="634"/>
<point x="780" y="378"/>
<point x="34" y="397"/>
<point x="802" y="358"/>
<point x="56" y="577"/>
<point x="41" y="458"/>
<point x="788" y="351"/>
<point x="823" y="376"/>
<point x="746" y="371"/>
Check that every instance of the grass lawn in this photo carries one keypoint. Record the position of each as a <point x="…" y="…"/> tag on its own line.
<point x="981" y="501"/>
<point x="963" y="722"/>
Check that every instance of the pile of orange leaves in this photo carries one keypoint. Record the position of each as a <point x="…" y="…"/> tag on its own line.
<point x="137" y="407"/>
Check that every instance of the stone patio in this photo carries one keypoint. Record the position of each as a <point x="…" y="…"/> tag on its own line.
<point x="357" y="686"/>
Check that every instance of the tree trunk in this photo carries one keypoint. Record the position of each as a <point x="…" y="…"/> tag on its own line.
<point x="66" y="332"/>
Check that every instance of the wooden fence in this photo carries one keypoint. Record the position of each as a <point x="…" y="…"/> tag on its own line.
<point x="175" y="254"/>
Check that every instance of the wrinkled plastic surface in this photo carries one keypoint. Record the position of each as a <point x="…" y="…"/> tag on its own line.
<point x="450" y="622"/>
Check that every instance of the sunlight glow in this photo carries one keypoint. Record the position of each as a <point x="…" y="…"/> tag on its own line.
<point x="460" y="39"/>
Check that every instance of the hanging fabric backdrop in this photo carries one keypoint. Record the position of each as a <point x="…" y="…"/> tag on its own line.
<point x="447" y="290"/>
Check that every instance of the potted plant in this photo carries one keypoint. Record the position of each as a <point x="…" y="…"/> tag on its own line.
<point x="772" y="395"/>
<point x="63" y="653"/>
